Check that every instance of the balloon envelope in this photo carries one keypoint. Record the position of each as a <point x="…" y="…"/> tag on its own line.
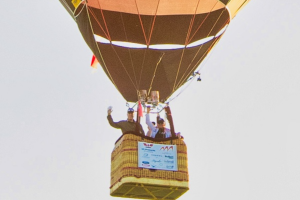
<point x="151" y="45"/>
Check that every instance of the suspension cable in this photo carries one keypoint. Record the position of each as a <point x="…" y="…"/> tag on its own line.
<point x="150" y="35"/>
<point x="203" y="21"/>
<point x="129" y="52"/>
<point x="95" y="18"/>
<point x="104" y="20"/>
<point x="197" y="63"/>
<point x="108" y="73"/>
<point x="191" y="24"/>
<point x="122" y="64"/>
<point x="155" y="73"/>
<point x="141" y="22"/>
<point x="186" y="40"/>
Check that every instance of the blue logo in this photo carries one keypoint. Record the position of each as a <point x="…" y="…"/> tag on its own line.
<point x="156" y="155"/>
<point x="145" y="162"/>
<point x="148" y="149"/>
<point x="169" y="166"/>
<point x="170" y="157"/>
<point x="145" y="155"/>
<point x="156" y="161"/>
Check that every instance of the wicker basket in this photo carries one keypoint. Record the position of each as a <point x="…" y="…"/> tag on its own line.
<point x="130" y="181"/>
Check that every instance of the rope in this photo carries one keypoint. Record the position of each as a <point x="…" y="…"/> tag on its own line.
<point x="124" y="67"/>
<point x="210" y="48"/>
<point x="216" y="22"/>
<point x="197" y="63"/>
<point x="79" y="11"/>
<point x="186" y="42"/>
<point x="153" y="22"/>
<point x="108" y="36"/>
<point x="190" y="81"/>
<point x="178" y="69"/>
<point x="94" y="15"/>
<point x="183" y="78"/>
<point x="191" y="24"/>
<point x="129" y="52"/>
<point x="141" y="24"/>
<point x="146" y="42"/>
<point x="112" y="80"/>
<point x="155" y="73"/>
<point x="142" y="67"/>
<point x="203" y="21"/>
<point x="104" y="20"/>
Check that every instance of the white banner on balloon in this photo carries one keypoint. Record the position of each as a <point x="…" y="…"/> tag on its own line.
<point x="157" y="156"/>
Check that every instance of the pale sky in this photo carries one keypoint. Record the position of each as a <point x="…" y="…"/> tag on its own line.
<point x="240" y="123"/>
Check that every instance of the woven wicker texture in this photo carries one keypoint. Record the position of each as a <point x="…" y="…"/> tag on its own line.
<point x="124" y="164"/>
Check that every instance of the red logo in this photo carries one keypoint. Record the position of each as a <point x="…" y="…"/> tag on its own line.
<point x="148" y="145"/>
<point x="166" y="148"/>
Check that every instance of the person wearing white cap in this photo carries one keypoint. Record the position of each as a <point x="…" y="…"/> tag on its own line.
<point x="159" y="131"/>
<point x="128" y="125"/>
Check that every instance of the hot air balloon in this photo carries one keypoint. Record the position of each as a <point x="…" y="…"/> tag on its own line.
<point x="149" y="49"/>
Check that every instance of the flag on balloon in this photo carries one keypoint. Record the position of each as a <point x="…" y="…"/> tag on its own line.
<point x="140" y="110"/>
<point x="94" y="62"/>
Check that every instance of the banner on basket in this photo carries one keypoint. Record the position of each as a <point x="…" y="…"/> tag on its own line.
<point x="157" y="156"/>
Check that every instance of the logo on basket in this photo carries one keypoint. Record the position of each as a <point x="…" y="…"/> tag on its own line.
<point x="148" y="145"/>
<point x="155" y="161"/>
<point x="170" y="157"/>
<point x="155" y="155"/>
<point x="169" y="161"/>
<point x="166" y="148"/>
<point x="169" y="166"/>
<point x="145" y="164"/>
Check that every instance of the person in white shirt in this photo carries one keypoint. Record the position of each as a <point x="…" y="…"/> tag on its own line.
<point x="159" y="131"/>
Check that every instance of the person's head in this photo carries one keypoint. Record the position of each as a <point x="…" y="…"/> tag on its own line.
<point x="161" y="123"/>
<point x="130" y="112"/>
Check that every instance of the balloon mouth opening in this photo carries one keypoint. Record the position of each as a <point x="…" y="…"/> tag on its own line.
<point x="133" y="45"/>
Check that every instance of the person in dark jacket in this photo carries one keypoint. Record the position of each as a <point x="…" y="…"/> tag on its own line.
<point x="128" y="125"/>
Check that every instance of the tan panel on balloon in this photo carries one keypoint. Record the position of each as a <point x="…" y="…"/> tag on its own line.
<point x="158" y="7"/>
<point x="234" y="6"/>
